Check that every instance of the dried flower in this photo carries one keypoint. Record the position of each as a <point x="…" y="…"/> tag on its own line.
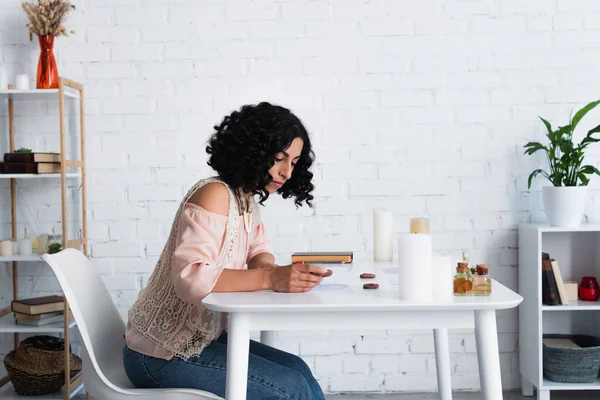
<point x="46" y="17"/>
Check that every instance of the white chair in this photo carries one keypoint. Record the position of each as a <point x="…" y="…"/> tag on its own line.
<point x="102" y="330"/>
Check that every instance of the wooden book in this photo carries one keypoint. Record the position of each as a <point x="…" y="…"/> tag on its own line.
<point x="323" y="257"/>
<point x="32" y="157"/>
<point x="29" y="168"/>
<point x="38" y="305"/>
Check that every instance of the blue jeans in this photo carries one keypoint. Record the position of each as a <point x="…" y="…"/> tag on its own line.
<point x="272" y="374"/>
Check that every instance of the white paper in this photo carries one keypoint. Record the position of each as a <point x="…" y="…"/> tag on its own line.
<point x="414" y="267"/>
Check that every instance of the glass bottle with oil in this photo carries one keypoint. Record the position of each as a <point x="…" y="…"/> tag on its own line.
<point x="463" y="285"/>
<point x="482" y="282"/>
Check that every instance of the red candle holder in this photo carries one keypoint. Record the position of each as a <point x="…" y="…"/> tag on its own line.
<point x="589" y="289"/>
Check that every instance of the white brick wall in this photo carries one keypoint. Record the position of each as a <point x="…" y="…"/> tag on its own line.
<point x="419" y="106"/>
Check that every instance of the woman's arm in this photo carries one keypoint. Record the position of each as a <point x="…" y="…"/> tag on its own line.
<point x="262" y="260"/>
<point x="262" y="273"/>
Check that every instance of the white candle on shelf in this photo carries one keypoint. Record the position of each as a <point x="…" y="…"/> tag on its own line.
<point x="383" y="222"/>
<point x="25" y="248"/>
<point x="441" y="269"/>
<point x="42" y="243"/>
<point x="15" y="247"/>
<point x="6" y="248"/>
<point x="414" y="267"/>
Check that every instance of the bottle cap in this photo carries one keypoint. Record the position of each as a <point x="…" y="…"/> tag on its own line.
<point x="462" y="267"/>
<point x="482" y="269"/>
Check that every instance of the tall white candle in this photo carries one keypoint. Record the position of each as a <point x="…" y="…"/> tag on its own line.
<point x="6" y="248"/>
<point x="414" y="267"/>
<point x="441" y="268"/>
<point x="42" y="243"/>
<point x="383" y="223"/>
<point x="25" y="248"/>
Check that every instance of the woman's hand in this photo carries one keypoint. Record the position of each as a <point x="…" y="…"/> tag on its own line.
<point x="295" y="278"/>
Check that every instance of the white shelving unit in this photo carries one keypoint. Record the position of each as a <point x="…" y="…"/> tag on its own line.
<point x="577" y="252"/>
<point x="68" y="89"/>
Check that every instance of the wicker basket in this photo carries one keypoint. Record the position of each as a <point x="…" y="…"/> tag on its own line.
<point x="579" y="365"/>
<point x="37" y="366"/>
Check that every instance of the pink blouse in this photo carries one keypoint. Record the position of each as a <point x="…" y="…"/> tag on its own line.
<point x="194" y="269"/>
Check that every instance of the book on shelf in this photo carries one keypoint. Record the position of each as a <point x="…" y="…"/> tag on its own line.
<point x="38" y="305"/>
<point x="22" y="157"/>
<point x="41" y="322"/>
<point x="553" y="286"/>
<point x="561" y="343"/>
<point x="549" y="290"/>
<point x="37" y="317"/>
<point x="323" y="257"/>
<point x="560" y="285"/>
<point x="29" y="168"/>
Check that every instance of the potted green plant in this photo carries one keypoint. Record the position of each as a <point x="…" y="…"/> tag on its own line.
<point x="54" y="248"/>
<point x="564" y="200"/>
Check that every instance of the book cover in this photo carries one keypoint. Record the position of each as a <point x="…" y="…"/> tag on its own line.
<point x="560" y="286"/>
<point x="29" y="168"/>
<point x="38" y="305"/>
<point x="323" y="257"/>
<point x="549" y="291"/>
<point x="32" y="157"/>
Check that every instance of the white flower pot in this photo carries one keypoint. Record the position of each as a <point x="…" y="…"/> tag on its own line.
<point x="564" y="205"/>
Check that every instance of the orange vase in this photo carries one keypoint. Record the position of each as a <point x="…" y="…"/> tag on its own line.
<point x="47" y="72"/>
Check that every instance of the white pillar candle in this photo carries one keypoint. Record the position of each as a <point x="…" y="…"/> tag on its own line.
<point x="15" y="246"/>
<point x="383" y="222"/>
<point x="442" y="276"/>
<point x="3" y="79"/>
<point x="414" y="267"/>
<point x="25" y="248"/>
<point x="6" y="248"/>
<point x="42" y="243"/>
<point x="22" y="82"/>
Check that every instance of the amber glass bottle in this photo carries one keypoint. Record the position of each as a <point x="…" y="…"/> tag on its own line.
<point x="463" y="285"/>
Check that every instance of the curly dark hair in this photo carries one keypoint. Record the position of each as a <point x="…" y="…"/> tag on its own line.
<point x="243" y="149"/>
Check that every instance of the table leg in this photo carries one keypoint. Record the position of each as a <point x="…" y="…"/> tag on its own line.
<point x="442" y="363"/>
<point x="488" y="357"/>
<point x="268" y="338"/>
<point x="238" y="349"/>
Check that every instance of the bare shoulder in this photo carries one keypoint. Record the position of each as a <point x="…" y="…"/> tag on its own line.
<point x="213" y="197"/>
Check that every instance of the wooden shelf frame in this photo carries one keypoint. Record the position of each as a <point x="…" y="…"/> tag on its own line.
<point x="65" y="89"/>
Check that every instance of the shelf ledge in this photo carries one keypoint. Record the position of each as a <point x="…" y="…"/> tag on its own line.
<point x="36" y="94"/>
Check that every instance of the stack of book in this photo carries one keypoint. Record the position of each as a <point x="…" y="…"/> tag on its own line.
<point x="30" y="163"/>
<point x="39" y="311"/>
<point x="555" y="290"/>
<point x="342" y="257"/>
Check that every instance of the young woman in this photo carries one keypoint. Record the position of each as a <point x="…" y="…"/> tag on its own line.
<point x="172" y="340"/>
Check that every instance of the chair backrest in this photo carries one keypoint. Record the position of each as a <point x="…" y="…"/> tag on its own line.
<point x="99" y="322"/>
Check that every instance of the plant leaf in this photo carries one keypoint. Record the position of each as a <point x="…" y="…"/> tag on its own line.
<point x="532" y="147"/>
<point x="581" y="113"/>
<point x="589" y="169"/>
<point x="584" y="179"/>
<point x="548" y="126"/>
<point x="533" y="175"/>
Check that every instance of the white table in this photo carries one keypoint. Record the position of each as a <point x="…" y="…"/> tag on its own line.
<point x="357" y="308"/>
